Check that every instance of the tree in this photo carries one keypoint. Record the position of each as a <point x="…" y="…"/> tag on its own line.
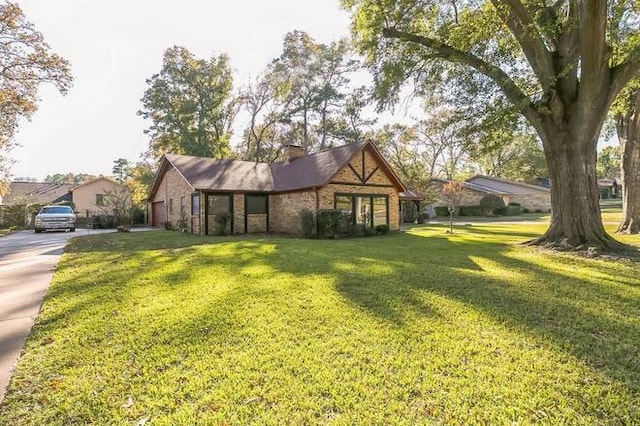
<point x="627" y="119"/>
<point x="452" y="193"/>
<point x="139" y="181"/>
<point x="609" y="162"/>
<point x="190" y="105"/>
<point x="562" y="64"/>
<point x="69" y="178"/>
<point x="121" y="169"/>
<point x="26" y="62"/>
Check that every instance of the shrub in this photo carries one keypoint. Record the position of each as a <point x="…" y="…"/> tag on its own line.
<point x="489" y="203"/>
<point x="182" y="222"/>
<point x="307" y="223"/>
<point x="382" y="229"/>
<point x="442" y="211"/>
<point x="168" y="226"/>
<point x="328" y="222"/>
<point x="526" y="210"/>
<point x="222" y="219"/>
<point x="470" y="211"/>
<point x="423" y="217"/>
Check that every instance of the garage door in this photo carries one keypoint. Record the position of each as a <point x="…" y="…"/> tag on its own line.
<point x="158" y="214"/>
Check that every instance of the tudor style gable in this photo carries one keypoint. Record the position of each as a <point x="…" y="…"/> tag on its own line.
<point x="366" y="168"/>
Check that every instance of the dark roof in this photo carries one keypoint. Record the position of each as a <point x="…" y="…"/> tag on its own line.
<point x="222" y="175"/>
<point x="503" y="186"/>
<point x="411" y="195"/>
<point x="309" y="171"/>
<point x="312" y="170"/>
<point x="37" y="192"/>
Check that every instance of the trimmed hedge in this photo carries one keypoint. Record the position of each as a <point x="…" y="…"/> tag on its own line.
<point x="470" y="211"/>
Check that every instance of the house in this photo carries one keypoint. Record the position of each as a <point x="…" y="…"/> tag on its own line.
<point x="530" y="197"/>
<point x="92" y="198"/>
<point x="88" y="198"/>
<point x="194" y="192"/>
<point x="609" y="188"/>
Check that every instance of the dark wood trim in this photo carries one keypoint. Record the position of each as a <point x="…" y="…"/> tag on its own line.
<point x="360" y="178"/>
<point x="373" y="185"/>
<point x="370" y="175"/>
<point x="363" y="172"/>
<point x="206" y="208"/>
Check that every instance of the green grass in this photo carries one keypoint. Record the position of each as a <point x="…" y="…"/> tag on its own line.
<point x="415" y="328"/>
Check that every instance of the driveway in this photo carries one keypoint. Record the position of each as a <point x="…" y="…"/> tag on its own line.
<point x="27" y="262"/>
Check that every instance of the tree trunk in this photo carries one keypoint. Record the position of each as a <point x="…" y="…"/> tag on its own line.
<point x="627" y="128"/>
<point x="575" y="209"/>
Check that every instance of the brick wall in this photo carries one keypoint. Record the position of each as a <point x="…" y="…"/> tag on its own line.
<point x="532" y="202"/>
<point x="172" y="187"/>
<point x="284" y="211"/>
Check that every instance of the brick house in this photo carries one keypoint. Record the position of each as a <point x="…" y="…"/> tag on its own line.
<point x="261" y="197"/>
<point x="530" y="197"/>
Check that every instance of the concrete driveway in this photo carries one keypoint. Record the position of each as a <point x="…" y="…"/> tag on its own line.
<point x="27" y="262"/>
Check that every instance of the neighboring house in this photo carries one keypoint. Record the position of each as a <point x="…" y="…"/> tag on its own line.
<point x="609" y="188"/>
<point x="261" y="197"/>
<point x="25" y="193"/>
<point x="88" y="198"/>
<point x="91" y="198"/>
<point x="530" y="197"/>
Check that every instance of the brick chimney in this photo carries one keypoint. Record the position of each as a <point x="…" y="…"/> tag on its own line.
<point x="294" y="151"/>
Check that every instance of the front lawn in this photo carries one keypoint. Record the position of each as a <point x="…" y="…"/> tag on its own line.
<point x="413" y="328"/>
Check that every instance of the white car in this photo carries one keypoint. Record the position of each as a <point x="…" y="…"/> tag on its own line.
<point x="55" y="218"/>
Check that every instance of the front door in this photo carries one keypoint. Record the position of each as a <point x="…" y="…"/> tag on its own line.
<point x="219" y="214"/>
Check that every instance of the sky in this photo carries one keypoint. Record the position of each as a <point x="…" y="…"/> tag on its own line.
<point x="114" y="46"/>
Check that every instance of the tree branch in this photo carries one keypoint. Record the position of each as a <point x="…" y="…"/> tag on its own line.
<point x="444" y="51"/>
<point x="524" y="29"/>
<point x="623" y="73"/>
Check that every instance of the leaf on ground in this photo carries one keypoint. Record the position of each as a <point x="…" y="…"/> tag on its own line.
<point x="128" y="403"/>
<point x="143" y="421"/>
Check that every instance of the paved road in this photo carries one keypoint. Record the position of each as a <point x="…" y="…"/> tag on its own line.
<point x="27" y="261"/>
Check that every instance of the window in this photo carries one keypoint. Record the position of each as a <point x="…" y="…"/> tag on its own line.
<point x="195" y="204"/>
<point x="380" y="210"/>
<point x="367" y="210"/>
<point x="99" y="199"/>
<point x="256" y="204"/>
<point x="182" y="205"/>
<point x="171" y="206"/>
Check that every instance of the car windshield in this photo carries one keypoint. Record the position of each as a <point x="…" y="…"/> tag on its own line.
<point x="57" y="210"/>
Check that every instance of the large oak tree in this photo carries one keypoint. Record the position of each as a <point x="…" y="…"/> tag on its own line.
<point x="562" y="63"/>
<point x="190" y="105"/>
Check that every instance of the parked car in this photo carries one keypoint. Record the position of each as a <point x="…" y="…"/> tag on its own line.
<point x="55" y="218"/>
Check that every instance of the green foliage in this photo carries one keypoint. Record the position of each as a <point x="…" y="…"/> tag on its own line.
<point x="222" y="220"/>
<point x="307" y="223"/>
<point x="190" y="105"/>
<point x="121" y="169"/>
<point x="77" y="178"/>
<point x="19" y="215"/>
<point x="304" y="97"/>
<point x="328" y="222"/>
<point x="183" y="222"/>
<point x="401" y="329"/>
<point x="441" y="211"/>
<point x="609" y="162"/>
<point x="382" y="229"/>
<point x="489" y="203"/>
<point x="471" y="211"/>
<point x="26" y="62"/>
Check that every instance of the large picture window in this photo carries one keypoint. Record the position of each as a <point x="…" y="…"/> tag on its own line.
<point x="365" y="210"/>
